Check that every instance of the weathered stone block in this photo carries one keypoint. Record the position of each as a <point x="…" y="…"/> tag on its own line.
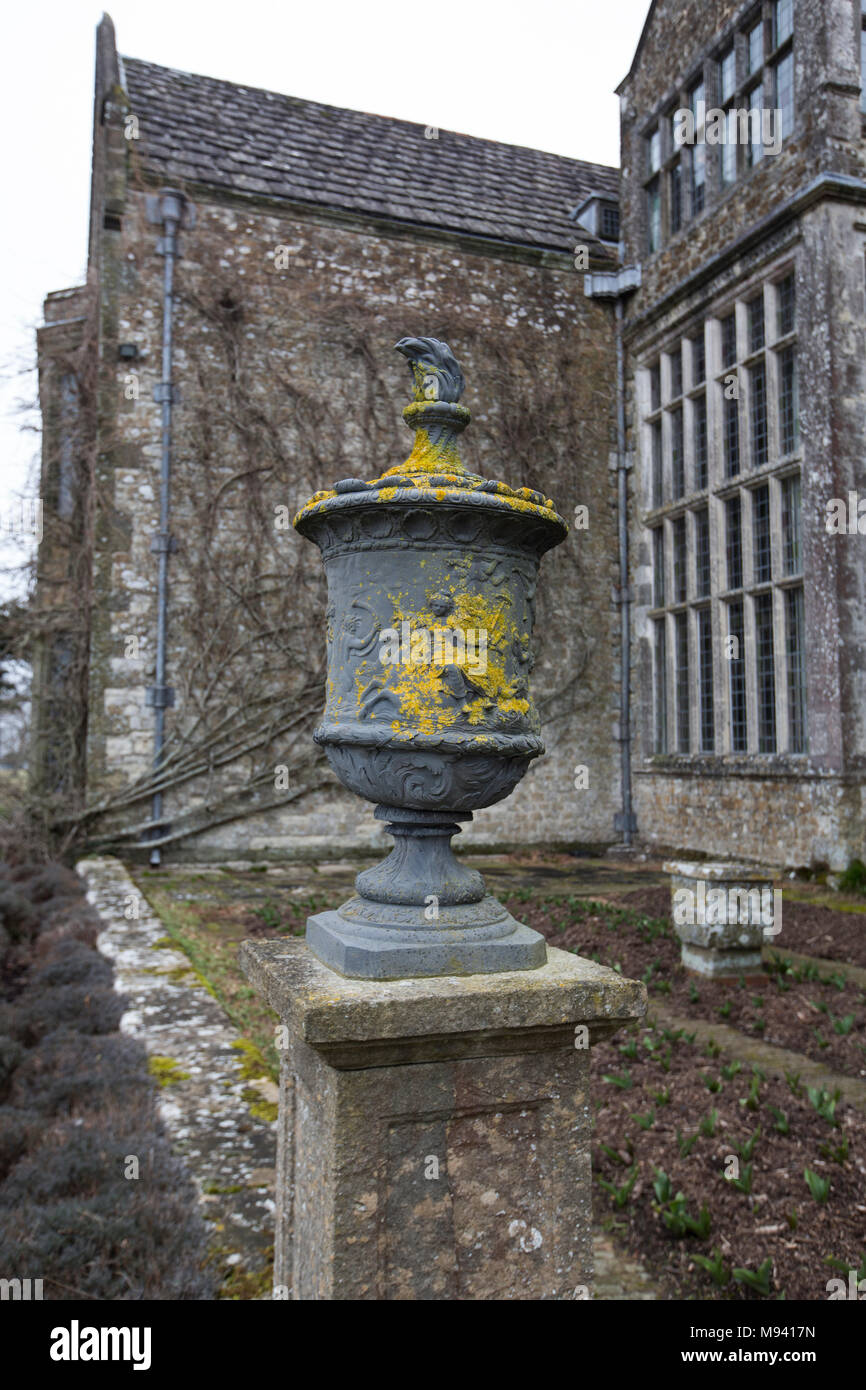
<point x="434" y="1133"/>
<point x="722" y="913"/>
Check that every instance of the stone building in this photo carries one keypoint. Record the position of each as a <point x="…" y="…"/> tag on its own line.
<point x="692" y="378"/>
<point x="747" y="401"/>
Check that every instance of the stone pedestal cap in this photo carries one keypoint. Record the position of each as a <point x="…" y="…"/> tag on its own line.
<point x="350" y="1022"/>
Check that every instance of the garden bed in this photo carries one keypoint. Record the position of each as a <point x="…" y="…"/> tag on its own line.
<point x="810" y="927"/>
<point x="672" y="1113"/>
<point x="824" y="1019"/>
<point x="671" y="1121"/>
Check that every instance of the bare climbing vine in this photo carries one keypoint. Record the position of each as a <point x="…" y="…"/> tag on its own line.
<point x="288" y="385"/>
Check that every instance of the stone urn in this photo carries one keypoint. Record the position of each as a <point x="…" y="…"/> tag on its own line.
<point x="431" y="576"/>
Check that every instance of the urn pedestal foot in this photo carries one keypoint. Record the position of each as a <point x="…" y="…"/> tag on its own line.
<point x="356" y="945"/>
<point x="421" y="912"/>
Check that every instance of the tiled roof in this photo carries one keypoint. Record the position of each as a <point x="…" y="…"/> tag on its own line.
<point x="219" y="134"/>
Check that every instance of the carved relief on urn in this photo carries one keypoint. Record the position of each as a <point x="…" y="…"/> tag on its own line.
<point x="431" y="576"/>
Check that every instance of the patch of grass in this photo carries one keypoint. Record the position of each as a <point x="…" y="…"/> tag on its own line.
<point x="843" y="1026"/>
<point x="747" y="1148"/>
<point x="624" y="1082"/>
<point x="824" y="1102"/>
<point x="674" y="1212"/>
<point x="782" y="1124"/>
<point x="752" y="1101"/>
<point x="743" y="1183"/>
<point x="210" y="940"/>
<point x="241" y="1284"/>
<point x="835" y="1153"/>
<point x="687" y="1144"/>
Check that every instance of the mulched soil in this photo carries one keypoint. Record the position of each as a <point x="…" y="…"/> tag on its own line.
<point x="807" y="1242"/>
<point x="827" y="932"/>
<point x="823" y="1020"/>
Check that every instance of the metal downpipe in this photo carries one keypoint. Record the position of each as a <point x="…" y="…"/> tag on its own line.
<point x="167" y="209"/>
<point x="625" y="594"/>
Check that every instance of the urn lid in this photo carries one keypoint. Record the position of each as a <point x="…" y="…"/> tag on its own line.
<point x="434" y="472"/>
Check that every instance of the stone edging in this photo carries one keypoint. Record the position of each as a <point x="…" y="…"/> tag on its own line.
<point x="228" y="1151"/>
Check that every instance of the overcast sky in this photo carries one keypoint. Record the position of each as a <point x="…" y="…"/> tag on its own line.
<point x="539" y="73"/>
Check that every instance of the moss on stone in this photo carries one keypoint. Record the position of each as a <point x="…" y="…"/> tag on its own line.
<point x="251" y="1062"/>
<point x="266" y="1110"/>
<point x="166" y="1071"/>
<point x="246" y="1284"/>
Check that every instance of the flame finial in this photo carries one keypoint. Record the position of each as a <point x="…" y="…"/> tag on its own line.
<point x="436" y="373"/>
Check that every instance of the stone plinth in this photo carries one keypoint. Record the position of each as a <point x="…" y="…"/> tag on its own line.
<point x="434" y="1134"/>
<point x="722" y="914"/>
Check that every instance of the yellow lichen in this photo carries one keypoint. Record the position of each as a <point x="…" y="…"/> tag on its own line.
<point x="252" y="1064"/>
<point x="429" y="701"/>
<point x="266" y="1110"/>
<point x="166" y="1071"/>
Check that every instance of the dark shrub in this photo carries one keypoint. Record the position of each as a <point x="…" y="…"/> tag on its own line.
<point x="20" y="1130"/>
<point x="11" y="1053"/>
<point x="72" y="963"/>
<point x="67" y="922"/>
<point x="77" y="1158"/>
<point x="84" y="1007"/>
<point x="80" y="1102"/>
<point x="853" y="880"/>
<point x="52" y="881"/>
<point x="16" y="914"/>
<point x="139" y="1242"/>
<point x="73" y="1071"/>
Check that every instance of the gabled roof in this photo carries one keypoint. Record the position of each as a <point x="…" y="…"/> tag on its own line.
<point x="218" y="134"/>
<point x="640" y="43"/>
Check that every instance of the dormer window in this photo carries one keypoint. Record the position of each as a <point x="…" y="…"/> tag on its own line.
<point x="599" y="215"/>
<point x="609" y="222"/>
